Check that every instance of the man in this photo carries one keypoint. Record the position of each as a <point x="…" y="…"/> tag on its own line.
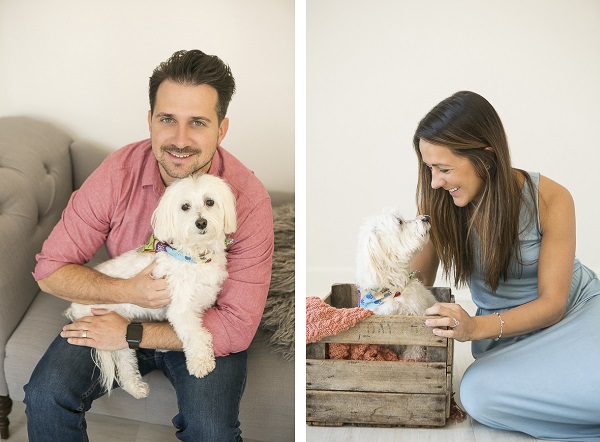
<point x="189" y="96"/>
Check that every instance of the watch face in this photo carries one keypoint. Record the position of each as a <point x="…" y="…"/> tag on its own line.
<point x="134" y="333"/>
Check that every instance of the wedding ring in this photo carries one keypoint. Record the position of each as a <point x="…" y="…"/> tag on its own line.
<point x="456" y="323"/>
<point x="84" y="334"/>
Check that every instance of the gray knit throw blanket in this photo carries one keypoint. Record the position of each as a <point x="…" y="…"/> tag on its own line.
<point x="278" y="318"/>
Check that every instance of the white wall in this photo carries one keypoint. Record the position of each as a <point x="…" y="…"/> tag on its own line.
<point x="376" y="68"/>
<point x="85" y="66"/>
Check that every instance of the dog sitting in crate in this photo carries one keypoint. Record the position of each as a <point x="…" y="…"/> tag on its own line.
<point x="387" y="244"/>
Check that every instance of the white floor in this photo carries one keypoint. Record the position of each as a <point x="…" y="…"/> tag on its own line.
<point x="466" y="431"/>
<point x="100" y="428"/>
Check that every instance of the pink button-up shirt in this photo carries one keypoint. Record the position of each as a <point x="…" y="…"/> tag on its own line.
<point x="115" y="205"/>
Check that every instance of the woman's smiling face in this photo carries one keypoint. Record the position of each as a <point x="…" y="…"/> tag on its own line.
<point x="452" y="173"/>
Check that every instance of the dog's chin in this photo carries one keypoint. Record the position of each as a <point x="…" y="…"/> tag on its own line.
<point x="202" y="239"/>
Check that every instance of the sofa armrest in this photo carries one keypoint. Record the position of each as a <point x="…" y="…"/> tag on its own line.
<point x="35" y="185"/>
<point x="85" y="157"/>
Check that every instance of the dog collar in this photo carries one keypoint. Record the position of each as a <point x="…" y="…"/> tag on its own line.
<point x="205" y="259"/>
<point x="375" y="297"/>
<point x="154" y="246"/>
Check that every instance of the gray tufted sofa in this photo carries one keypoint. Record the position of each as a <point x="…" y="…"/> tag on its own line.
<point x="39" y="168"/>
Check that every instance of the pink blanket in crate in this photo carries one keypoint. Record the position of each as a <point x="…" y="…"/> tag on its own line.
<point x="324" y="320"/>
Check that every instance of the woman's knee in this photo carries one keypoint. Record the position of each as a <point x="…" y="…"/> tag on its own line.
<point x="475" y="395"/>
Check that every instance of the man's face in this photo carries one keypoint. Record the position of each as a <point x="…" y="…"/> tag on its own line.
<point x="185" y="129"/>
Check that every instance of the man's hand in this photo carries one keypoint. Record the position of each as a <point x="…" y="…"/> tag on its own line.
<point x="147" y="291"/>
<point x="105" y="330"/>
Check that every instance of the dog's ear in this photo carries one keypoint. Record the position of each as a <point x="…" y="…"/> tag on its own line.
<point x="370" y="256"/>
<point x="163" y="217"/>
<point x="376" y="252"/>
<point x="229" y="212"/>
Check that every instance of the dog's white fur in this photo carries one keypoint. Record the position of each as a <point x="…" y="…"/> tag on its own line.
<point x="386" y="246"/>
<point x="193" y="288"/>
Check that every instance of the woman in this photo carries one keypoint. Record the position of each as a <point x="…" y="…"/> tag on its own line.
<point x="510" y="236"/>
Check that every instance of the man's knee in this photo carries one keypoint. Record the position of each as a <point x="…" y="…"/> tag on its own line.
<point x="209" y="407"/>
<point x="42" y="395"/>
<point x="217" y="429"/>
<point x="62" y="378"/>
<point x="216" y="419"/>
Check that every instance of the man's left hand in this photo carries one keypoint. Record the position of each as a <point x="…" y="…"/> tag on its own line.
<point x="105" y="330"/>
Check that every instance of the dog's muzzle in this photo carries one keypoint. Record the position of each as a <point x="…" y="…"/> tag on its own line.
<point x="201" y="223"/>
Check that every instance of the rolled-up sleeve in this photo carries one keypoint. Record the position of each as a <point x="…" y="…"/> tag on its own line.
<point x="234" y="319"/>
<point x="113" y="206"/>
<point x="82" y="229"/>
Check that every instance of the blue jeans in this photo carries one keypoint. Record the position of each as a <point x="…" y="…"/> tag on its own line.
<point x="65" y="382"/>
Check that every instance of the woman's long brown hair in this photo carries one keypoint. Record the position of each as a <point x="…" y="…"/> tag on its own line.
<point x="468" y="125"/>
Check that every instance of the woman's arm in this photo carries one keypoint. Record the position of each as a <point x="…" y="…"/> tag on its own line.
<point x="555" y="273"/>
<point x="426" y="264"/>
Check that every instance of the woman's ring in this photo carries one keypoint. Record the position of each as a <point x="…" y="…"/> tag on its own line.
<point x="456" y="323"/>
<point x="84" y="334"/>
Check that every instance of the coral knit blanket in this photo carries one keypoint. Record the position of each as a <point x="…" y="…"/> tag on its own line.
<point x="324" y="320"/>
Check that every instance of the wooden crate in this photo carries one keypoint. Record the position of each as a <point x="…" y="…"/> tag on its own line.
<point x="380" y="393"/>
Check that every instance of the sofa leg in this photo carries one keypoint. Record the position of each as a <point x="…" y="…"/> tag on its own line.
<point x="5" y="408"/>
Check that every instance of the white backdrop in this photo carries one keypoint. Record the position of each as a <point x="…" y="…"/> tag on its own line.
<point x="85" y="67"/>
<point x="374" y="69"/>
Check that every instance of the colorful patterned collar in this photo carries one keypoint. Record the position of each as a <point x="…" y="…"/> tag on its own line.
<point x="154" y="246"/>
<point x="374" y="297"/>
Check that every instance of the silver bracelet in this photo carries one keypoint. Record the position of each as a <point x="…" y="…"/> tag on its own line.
<point x="501" y="326"/>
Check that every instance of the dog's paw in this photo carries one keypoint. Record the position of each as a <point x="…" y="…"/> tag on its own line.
<point x="138" y="390"/>
<point x="200" y="367"/>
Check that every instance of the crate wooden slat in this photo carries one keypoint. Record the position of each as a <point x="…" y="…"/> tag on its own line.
<point x="380" y="393"/>
<point x="408" y="377"/>
<point x="380" y="330"/>
<point x="375" y="409"/>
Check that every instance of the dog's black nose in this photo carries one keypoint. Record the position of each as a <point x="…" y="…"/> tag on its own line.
<point x="201" y="223"/>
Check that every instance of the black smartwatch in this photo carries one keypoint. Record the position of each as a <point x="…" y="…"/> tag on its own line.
<point x="135" y="330"/>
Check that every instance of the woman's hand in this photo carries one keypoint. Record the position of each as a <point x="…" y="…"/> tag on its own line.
<point x="461" y="330"/>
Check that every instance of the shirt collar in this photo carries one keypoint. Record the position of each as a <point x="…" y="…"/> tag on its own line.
<point x="150" y="173"/>
<point x="216" y="164"/>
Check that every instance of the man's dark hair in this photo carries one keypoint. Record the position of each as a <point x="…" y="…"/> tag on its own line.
<point x="194" y="68"/>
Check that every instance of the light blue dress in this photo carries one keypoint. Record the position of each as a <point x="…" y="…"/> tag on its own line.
<point x="547" y="383"/>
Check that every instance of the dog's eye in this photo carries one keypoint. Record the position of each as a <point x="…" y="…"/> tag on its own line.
<point x="210" y="202"/>
<point x="185" y="207"/>
<point x="400" y="221"/>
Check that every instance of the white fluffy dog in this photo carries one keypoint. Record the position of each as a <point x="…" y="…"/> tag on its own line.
<point x="190" y="227"/>
<point x="386" y="246"/>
